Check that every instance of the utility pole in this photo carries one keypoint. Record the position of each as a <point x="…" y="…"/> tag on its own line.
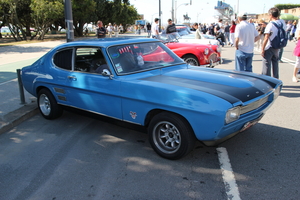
<point x="69" y="21"/>
<point x="159" y="21"/>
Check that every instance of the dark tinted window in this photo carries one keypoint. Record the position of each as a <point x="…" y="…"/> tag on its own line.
<point x="63" y="59"/>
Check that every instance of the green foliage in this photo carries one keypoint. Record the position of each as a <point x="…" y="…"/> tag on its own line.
<point x="286" y="6"/>
<point x="43" y="15"/>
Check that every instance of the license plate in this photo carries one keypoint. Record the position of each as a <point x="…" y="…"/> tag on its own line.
<point x="249" y="124"/>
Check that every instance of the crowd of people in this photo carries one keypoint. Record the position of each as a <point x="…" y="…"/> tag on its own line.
<point x="242" y="34"/>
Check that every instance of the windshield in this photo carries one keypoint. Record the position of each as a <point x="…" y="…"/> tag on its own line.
<point x="132" y="58"/>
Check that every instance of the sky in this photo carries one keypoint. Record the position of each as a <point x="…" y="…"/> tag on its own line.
<point x="201" y="10"/>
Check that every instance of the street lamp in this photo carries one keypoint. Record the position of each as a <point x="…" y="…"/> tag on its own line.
<point x="176" y="7"/>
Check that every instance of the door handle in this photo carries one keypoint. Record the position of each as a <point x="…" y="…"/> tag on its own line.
<point x="73" y="78"/>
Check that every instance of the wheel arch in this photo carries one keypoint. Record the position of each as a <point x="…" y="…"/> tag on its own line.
<point x="154" y="112"/>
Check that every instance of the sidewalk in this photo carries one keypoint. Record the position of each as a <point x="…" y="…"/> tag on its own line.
<point x="12" y="112"/>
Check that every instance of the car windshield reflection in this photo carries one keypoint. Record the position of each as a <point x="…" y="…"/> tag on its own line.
<point x="137" y="57"/>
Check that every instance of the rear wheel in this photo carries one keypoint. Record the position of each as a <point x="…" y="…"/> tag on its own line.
<point x="191" y="60"/>
<point x="171" y="136"/>
<point x="48" y="105"/>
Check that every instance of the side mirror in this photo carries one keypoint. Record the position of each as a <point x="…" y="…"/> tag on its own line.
<point x="106" y="72"/>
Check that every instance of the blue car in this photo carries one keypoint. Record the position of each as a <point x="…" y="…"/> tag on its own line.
<point x="141" y="81"/>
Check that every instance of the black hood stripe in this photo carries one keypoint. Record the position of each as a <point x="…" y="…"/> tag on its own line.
<point x="229" y="93"/>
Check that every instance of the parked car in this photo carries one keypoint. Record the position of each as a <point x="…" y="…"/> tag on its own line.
<point x="186" y="35"/>
<point x="196" y="54"/>
<point x="141" y="81"/>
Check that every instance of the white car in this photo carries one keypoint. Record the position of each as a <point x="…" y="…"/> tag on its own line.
<point x="186" y="35"/>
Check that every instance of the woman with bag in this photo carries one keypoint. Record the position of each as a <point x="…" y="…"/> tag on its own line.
<point x="297" y="53"/>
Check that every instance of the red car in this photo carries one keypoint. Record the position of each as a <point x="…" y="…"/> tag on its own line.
<point x="193" y="53"/>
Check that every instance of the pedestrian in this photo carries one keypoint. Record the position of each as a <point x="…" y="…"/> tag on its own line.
<point x="293" y="30"/>
<point x="109" y="30"/>
<point x="100" y="30"/>
<point x="211" y="29"/>
<point x="139" y="29"/>
<point x="297" y="54"/>
<point x="288" y="29"/>
<point x="116" y="30"/>
<point x="270" y="55"/>
<point x="261" y="30"/>
<point x="171" y="28"/>
<point x="198" y="31"/>
<point x="232" y="32"/>
<point x="227" y="33"/>
<point x="121" y="29"/>
<point x="149" y="29"/>
<point x="220" y="36"/>
<point x="155" y="28"/>
<point x="245" y="37"/>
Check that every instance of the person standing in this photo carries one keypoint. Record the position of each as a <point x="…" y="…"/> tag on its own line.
<point x="109" y="30"/>
<point x="121" y="29"/>
<point x="245" y="37"/>
<point x="116" y="30"/>
<point x="270" y="55"/>
<point x="149" y="29"/>
<point x="171" y="28"/>
<point x="227" y="33"/>
<point x="297" y="54"/>
<point x="288" y="29"/>
<point x="155" y="28"/>
<point x="232" y="32"/>
<point x="100" y="30"/>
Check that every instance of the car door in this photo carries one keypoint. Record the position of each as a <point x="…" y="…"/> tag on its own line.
<point x="85" y="89"/>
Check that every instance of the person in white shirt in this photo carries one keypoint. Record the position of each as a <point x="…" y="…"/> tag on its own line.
<point x="245" y="37"/>
<point x="155" y="28"/>
<point x="270" y="55"/>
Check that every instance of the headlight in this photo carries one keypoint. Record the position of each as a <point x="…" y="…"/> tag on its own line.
<point x="232" y="114"/>
<point x="219" y="49"/>
<point x="277" y="92"/>
<point x="206" y="51"/>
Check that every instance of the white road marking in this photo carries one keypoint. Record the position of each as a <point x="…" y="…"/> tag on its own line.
<point x="228" y="176"/>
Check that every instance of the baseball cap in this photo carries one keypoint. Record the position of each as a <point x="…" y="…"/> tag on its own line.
<point x="169" y="20"/>
<point x="242" y="14"/>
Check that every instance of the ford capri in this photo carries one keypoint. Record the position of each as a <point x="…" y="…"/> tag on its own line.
<point x="141" y="81"/>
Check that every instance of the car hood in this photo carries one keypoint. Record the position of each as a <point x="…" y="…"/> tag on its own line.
<point x="232" y="86"/>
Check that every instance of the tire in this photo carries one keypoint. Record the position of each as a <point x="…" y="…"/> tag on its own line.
<point x="191" y="60"/>
<point x="171" y="136"/>
<point x="48" y="105"/>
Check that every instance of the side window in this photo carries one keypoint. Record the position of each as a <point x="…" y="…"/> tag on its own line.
<point x="90" y="60"/>
<point x="63" y="59"/>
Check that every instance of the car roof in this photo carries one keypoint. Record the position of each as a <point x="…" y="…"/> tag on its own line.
<point x="105" y="42"/>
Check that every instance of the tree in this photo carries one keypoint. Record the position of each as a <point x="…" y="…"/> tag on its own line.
<point x="287" y="6"/>
<point x="117" y="11"/>
<point x="44" y="13"/>
<point x="83" y="12"/>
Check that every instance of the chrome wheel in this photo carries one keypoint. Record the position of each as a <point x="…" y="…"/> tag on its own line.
<point x="45" y="105"/>
<point x="166" y="137"/>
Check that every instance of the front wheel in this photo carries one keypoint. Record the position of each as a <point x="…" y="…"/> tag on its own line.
<point x="48" y="105"/>
<point x="191" y="60"/>
<point x="171" y="136"/>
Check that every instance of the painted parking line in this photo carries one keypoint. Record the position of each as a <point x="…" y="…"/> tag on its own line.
<point x="286" y="60"/>
<point x="231" y="187"/>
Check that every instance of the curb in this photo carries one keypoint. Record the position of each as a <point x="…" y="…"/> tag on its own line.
<point x="16" y="117"/>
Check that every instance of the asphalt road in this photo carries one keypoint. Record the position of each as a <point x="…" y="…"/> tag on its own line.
<point x="81" y="156"/>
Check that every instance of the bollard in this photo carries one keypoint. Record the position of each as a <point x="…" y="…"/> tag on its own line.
<point x="21" y="89"/>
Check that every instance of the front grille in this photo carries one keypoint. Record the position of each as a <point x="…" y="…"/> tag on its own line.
<point x="213" y="57"/>
<point x="254" y="105"/>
